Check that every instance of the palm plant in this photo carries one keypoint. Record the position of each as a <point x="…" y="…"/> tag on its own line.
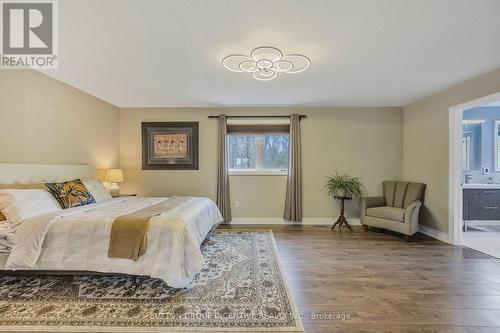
<point x="345" y="186"/>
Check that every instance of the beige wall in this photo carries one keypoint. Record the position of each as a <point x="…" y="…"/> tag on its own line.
<point x="46" y="121"/>
<point x="425" y="143"/>
<point x="365" y="142"/>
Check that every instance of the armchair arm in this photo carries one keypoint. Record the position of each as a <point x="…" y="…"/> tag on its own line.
<point x="411" y="215"/>
<point x="369" y="202"/>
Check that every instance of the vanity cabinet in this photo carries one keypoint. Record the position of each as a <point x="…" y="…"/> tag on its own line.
<point x="481" y="204"/>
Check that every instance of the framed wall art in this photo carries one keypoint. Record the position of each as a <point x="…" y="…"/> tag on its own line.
<point x="170" y="146"/>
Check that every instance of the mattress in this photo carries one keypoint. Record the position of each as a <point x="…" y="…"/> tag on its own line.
<point x="3" y="260"/>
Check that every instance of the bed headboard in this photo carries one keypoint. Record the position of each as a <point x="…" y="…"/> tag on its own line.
<point x="39" y="173"/>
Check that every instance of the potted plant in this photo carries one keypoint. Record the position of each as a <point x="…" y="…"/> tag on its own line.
<point x="344" y="187"/>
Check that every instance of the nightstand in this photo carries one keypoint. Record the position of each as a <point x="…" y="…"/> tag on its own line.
<point x="127" y="195"/>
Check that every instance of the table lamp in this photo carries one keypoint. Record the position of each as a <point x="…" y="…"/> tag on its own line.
<point x="114" y="176"/>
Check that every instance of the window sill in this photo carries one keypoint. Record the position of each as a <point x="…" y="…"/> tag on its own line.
<point x="258" y="174"/>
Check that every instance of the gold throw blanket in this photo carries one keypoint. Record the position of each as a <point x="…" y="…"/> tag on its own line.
<point x="129" y="232"/>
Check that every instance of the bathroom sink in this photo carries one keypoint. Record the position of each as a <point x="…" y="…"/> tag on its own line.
<point x="480" y="185"/>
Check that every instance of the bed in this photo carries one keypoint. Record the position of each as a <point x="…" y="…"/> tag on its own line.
<point x="77" y="239"/>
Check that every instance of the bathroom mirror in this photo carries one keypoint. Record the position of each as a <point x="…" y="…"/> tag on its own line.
<point x="471" y="145"/>
<point x="496" y="143"/>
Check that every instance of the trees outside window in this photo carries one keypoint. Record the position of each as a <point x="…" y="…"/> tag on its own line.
<point x="258" y="153"/>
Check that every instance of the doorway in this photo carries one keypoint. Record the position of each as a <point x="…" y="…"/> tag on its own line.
<point x="474" y="171"/>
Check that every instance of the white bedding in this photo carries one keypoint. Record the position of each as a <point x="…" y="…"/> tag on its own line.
<point x="6" y="237"/>
<point x="78" y="239"/>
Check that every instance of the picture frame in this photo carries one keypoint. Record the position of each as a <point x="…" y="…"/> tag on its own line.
<point x="169" y="145"/>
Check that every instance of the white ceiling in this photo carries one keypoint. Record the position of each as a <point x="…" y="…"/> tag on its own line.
<point x="363" y="52"/>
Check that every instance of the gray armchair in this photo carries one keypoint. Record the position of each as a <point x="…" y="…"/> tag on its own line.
<point x="397" y="210"/>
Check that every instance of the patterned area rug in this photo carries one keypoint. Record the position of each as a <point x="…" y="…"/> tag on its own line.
<point x="240" y="288"/>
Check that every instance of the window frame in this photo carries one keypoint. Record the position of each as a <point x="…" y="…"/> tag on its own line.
<point x="259" y="169"/>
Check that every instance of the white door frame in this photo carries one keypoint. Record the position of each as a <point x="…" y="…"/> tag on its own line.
<point x="455" y="165"/>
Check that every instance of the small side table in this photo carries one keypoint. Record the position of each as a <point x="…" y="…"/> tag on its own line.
<point x="127" y="195"/>
<point x="342" y="220"/>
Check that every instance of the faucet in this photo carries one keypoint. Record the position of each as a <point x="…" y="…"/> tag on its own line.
<point x="468" y="178"/>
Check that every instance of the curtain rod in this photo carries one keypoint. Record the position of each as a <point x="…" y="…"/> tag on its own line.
<point x="264" y="116"/>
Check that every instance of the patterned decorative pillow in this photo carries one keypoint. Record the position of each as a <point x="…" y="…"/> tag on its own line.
<point x="71" y="193"/>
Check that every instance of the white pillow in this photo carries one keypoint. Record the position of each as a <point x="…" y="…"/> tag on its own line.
<point x="97" y="189"/>
<point x="18" y="205"/>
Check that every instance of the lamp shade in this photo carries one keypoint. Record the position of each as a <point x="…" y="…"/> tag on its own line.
<point x="114" y="176"/>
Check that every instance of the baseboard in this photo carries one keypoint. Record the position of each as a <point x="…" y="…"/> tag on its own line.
<point x="436" y="234"/>
<point x="278" y="220"/>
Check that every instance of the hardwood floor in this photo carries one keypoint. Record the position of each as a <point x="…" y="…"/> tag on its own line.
<point x="376" y="282"/>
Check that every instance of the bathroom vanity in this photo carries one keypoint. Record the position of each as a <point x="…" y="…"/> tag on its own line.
<point x="481" y="202"/>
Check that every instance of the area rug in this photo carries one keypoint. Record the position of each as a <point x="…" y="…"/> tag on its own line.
<point x="240" y="288"/>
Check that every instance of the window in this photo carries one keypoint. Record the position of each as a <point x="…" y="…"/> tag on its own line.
<point x="258" y="153"/>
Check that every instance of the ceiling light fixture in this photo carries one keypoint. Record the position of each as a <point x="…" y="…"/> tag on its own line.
<point x="266" y="62"/>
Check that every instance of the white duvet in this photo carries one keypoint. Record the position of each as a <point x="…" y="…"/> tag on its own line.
<point x="78" y="239"/>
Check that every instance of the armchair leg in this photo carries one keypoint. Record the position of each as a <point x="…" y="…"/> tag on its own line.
<point x="407" y="238"/>
<point x="365" y="228"/>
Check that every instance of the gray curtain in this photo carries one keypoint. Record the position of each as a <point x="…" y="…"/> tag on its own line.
<point x="223" y="199"/>
<point x="293" y="199"/>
